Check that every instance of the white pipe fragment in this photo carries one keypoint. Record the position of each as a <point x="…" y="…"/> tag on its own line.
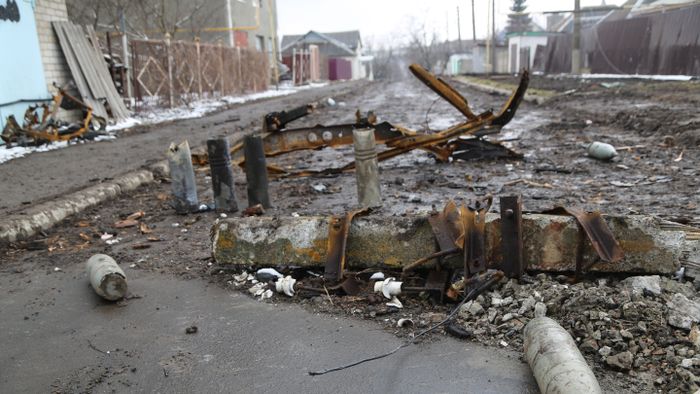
<point x="106" y="277"/>
<point x="389" y="287"/>
<point x="555" y="360"/>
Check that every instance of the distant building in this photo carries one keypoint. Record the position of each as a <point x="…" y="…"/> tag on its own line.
<point x="336" y="50"/>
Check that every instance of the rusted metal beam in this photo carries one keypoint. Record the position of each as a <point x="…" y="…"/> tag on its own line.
<point x="443" y="89"/>
<point x="338" y="228"/>
<point x="512" y="236"/>
<point x="278" y="120"/>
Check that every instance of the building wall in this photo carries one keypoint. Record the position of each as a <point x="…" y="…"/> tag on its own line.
<point x="516" y="44"/>
<point x="54" y="63"/>
<point x="22" y="80"/>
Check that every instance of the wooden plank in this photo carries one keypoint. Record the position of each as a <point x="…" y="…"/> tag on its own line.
<point x="88" y="66"/>
<point x="76" y="71"/>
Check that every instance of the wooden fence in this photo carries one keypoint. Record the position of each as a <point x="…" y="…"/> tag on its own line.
<point x="173" y="73"/>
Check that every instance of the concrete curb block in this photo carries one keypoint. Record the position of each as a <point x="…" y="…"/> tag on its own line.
<point x="539" y="100"/>
<point x="550" y="242"/>
<point x="44" y="216"/>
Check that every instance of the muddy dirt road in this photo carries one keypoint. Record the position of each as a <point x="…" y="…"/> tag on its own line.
<point x="30" y="180"/>
<point x="657" y="174"/>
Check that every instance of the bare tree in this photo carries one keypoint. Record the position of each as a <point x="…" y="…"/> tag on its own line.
<point x="425" y="48"/>
<point x="146" y="18"/>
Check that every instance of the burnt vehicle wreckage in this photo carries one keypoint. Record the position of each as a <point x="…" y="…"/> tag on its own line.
<point x="456" y="256"/>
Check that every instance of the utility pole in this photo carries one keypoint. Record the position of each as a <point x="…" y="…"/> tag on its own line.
<point x="488" y="39"/>
<point x="473" y="24"/>
<point x="493" y="36"/>
<point x="459" y="31"/>
<point x="125" y="57"/>
<point x="576" y="44"/>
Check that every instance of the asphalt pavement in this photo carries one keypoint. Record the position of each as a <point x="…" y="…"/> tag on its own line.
<point x="59" y="336"/>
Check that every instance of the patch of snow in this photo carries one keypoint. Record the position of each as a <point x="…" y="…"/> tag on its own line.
<point x="196" y="109"/>
<point x="635" y="76"/>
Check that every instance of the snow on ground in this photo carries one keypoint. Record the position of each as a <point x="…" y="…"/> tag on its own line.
<point x="632" y="76"/>
<point x="194" y="110"/>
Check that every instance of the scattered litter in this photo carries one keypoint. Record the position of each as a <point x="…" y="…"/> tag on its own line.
<point x="377" y="276"/>
<point x="331" y="102"/>
<point x="223" y="215"/>
<point x="191" y="330"/>
<point x="389" y="287"/>
<point x="56" y="269"/>
<point x="286" y="285"/>
<point x="395" y="302"/>
<point x="106" y="236"/>
<point x="113" y="241"/>
<point x="267" y="274"/>
<point x="255" y="210"/>
<point x="319" y="187"/>
<point x="403" y="322"/>
<point x="257" y="289"/>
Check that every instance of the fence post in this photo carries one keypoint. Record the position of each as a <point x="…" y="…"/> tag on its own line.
<point x="294" y="66"/>
<point x="199" y="66"/>
<point x="223" y="87"/>
<point x="171" y="97"/>
<point x="240" y="72"/>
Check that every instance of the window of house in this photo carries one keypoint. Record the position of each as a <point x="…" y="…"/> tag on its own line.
<point x="260" y="43"/>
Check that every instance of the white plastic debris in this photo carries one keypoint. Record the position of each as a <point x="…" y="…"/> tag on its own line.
<point x="319" y="187"/>
<point x="56" y="269"/>
<point x="389" y="287"/>
<point x="331" y="102"/>
<point x="377" y="276"/>
<point x="403" y="322"/>
<point x="258" y="289"/>
<point x="242" y="277"/>
<point x="395" y="303"/>
<point x="266" y="294"/>
<point x="286" y="285"/>
<point x="106" y="236"/>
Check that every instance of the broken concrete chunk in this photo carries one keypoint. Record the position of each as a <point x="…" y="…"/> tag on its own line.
<point x="640" y="284"/>
<point x="472" y="308"/>
<point x="621" y="361"/>
<point x="682" y="312"/>
<point x="540" y="309"/>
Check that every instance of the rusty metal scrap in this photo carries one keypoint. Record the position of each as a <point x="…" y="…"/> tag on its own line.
<point x="512" y="265"/>
<point x="338" y="228"/>
<point x="444" y="144"/>
<point x="278" y="120"/>
<point x="39" y="129"/>
<point x="597" y="232"/>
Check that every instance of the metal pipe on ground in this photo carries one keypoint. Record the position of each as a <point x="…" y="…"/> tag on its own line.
<point x="106" y="278"/>
<point x="182" y="177"/>
<point x="256" y="171"/>
<point x="366" y="168"/>
<point x="222" y="175"/>
<point x="555" y="360"/>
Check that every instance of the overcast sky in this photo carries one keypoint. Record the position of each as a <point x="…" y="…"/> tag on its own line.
<point x="387" y="21"/>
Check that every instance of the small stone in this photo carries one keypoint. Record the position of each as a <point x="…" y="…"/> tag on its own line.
<point x="640" y="284"/>
<point x="682" y="312"/>
<point x="694" y="336"/>
<point x="621" y="361"/>
<point x="471" y="308"/>
<point x="626" y="334"/>
<point x="540" y="309"/>
<point x="492" y="315"/>
<point x="503" y="343"/>
<point x="605" y="351"/>
<point x="590" y="345"/>
<point x="527" y="305"/>
<point x="687" y="363"/>
<point x="507" y="301"/>
<point x="507" y="316"/>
